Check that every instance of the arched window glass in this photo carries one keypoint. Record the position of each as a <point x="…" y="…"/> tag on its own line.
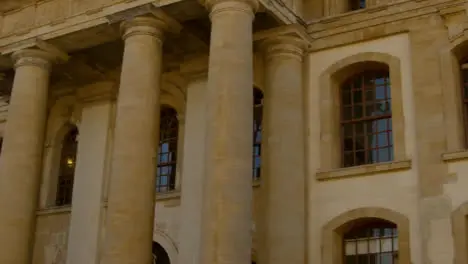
<point x="257" y="133"/>
<point x="371" y="241"/>
<point x="366" y="119"/>
<point x="167" y="153"/>
<point x="67" y="168"/>
<point x="464" y="75"/>
<point x="160" y="255"/>
<point x="357" y="4"/>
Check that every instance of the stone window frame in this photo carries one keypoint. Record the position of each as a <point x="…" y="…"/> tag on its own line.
<point x="451" y="61"/>
<point x="174" y="164"/>
<point x="333" y="231"/>
<point x="170" y="98"/>
<point x="55" y="146"/>
<point x="330" y="83"/>
<point x="338" y="7"/>
<point x="66" y="200"/>
<point x="460" y="233"/>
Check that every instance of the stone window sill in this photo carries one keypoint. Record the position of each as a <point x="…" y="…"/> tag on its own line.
<point x="455" y="156"/>
<point x="256" y="183"/>
<point x="54" y="210"/>
<point x="168" y="195"/>
<point x="364" y="170"/>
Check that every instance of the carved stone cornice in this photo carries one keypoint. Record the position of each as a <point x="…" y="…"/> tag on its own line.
<point x="455" y="19"/>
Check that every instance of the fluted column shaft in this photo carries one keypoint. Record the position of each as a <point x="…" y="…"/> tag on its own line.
<point x="284" y="159"/>
<point x="130" y="215"/>
<point x="227" y="212"/>
<point x="21" y="159"/>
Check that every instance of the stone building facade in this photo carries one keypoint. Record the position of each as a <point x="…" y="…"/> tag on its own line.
<point x="234" y="131"/>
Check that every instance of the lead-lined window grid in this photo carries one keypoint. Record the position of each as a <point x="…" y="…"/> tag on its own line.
<point x="366" y="119"/>
<point x="373" y="243"/>
<point x="67" y="168"/>
<point x="167" y="151"/>
<point x="257" y="134"/>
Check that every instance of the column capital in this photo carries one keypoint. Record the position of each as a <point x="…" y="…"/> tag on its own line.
<point x="35" y="57"/>
<point x="284" y="46"/>
<point x="144" y="25"/>
<point x="217" y="7"/>
<point x="291" y="40"/>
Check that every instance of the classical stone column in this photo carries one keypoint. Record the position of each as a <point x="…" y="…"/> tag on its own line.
<point x="227" y="209"/>
<point x="284" y="149"/>
<point x="130" y="215"/>
<point x="21" y="159"/>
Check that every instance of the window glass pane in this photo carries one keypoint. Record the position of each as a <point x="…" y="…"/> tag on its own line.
<point x="372" y="241"/>
<point x="366" y="124"/>
<point x="67" y="168"/>
<point x="167" y="149"/>
<point x="257" y="132"/>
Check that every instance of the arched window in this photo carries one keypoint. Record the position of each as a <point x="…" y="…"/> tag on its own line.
<point x="464" y="76"/>
<point x="356" y="4"/>
<point x="160" y="255"/>
<point x="366" y="119"/>
<point x="67" y="168"/>
<point x="371" y="241"/>
<point x="167" y="152"/>
<point x="257" y="133"/>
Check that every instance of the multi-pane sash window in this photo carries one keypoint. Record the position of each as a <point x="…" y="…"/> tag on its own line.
<point x="67" y="168"/>
<point x="464" y="75"/>
<point x="375" y="242"/>
<point x="366" y="119"/>
<point x="167" y="151"/>
<point x="257" y="133"/>
<point x="357" y="4"/>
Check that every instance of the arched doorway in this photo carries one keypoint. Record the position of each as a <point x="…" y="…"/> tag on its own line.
<point x="160" y="255"/>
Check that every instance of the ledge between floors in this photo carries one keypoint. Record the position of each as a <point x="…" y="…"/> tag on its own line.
<point x="364" y="170"/>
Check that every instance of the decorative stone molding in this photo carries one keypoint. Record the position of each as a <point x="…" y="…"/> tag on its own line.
<point x="455" y="20"/>
<point x="161" y="237"/>
<point x="54" y="210"/>
<point x="147" y="19"/>
<point x="144" y="26"/>
<point x="364" y="170"/>
<point x="333" y="231"/>
<point x="455" y="156"/>
<point x="32" y="57"/>
<point x="294" y="30"/>
<point x="38" y="53"/>
<point x="219" y="6"/>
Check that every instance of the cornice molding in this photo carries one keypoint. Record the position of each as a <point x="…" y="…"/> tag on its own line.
<point x="455" y="19"/>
